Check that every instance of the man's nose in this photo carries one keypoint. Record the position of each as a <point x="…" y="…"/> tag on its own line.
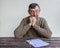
<point x="34" y="13"/>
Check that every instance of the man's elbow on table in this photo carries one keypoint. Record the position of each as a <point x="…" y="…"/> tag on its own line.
<point x="48" y="35"/>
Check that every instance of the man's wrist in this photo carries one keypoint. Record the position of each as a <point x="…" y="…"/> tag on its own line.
<point x="30" y="24"/>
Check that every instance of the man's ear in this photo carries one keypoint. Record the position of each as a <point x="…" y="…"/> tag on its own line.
<point x="39" y="10"/>
<point x="28" y="11"/>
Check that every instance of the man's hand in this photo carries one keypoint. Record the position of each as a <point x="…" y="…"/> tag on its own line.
<point x="32" y="21"/>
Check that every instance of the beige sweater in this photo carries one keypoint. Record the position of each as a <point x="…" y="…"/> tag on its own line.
<point x="40" y="29"/>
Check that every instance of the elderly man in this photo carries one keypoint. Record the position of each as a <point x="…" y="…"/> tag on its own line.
<point x="33" y="25"/>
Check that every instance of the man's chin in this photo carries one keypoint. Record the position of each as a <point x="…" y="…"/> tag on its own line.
<point x="34" y="16"/>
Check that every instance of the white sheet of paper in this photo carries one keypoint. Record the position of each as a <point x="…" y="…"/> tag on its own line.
<point x="37" y="42"/>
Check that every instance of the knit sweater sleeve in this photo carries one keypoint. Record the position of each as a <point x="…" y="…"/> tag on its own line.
<point x="45" y="31"/>
<point x="21" y="30"/>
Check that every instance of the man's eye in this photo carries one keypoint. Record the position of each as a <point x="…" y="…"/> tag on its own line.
<point x="36" y="11"/>
<point x="32" y="11"/>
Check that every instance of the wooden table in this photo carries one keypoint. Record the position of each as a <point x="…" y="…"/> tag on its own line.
<point x="11" y="42"/>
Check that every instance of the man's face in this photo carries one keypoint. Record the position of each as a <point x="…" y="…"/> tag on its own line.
<point x="34" y="12"/>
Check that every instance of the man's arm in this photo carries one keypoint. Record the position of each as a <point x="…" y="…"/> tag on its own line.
<point x="21" y="30"/>
<point x="45" y="31"/>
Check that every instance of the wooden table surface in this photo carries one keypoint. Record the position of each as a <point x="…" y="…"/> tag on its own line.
<point x="11" y="42"/>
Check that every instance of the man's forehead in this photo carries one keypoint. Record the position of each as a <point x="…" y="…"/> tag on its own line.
<point x="36" y="8"/>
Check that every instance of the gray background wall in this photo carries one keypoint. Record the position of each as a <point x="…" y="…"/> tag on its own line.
<point x="12" y="12"/>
